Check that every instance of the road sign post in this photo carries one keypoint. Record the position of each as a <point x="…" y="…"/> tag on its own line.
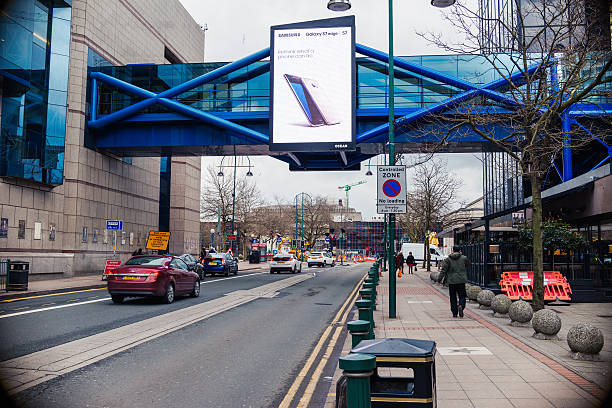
<point x="391" y="199"/>
<point x="114" y="225"/>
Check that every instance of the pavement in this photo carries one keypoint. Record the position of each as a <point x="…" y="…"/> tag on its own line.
<point x="482" y="361"/>
<point x="87" y="282"/>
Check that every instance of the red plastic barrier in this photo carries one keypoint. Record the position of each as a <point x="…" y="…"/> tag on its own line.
<point x="519" y="285"/>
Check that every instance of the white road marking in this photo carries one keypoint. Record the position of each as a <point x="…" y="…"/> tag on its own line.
<point x="233" y="277"/>
<point x="103" y="299"/>
<point x="52" y="308"/>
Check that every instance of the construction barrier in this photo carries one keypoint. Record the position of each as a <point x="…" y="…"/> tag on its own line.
<point x="519" y="285"/>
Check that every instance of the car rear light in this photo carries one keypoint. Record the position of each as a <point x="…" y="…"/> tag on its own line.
<point x="223" y="262"/>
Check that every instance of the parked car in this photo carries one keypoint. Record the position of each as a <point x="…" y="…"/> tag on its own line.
<point x="223" y="263"/>
<point x="321" y="259"/>
<point x="164" y="276"/>
<point x="192" y="263"/>
<point x="285" y="262"/>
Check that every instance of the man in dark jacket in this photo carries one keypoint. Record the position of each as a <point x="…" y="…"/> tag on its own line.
<point x="454" y="269"/>
<point x="410" y="262"/>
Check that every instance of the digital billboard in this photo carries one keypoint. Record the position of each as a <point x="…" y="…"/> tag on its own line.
<point x="312" y="85"/>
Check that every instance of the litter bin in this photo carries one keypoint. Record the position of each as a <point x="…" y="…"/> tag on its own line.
<point x="406" y="392"/>
<point x="18" y="274"/>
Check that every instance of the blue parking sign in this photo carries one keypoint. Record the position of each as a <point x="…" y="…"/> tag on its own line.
<point x="116" y="225"/>
<point x="327" y="240"/>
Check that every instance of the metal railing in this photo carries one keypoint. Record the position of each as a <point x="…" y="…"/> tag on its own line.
<point x="4" y="268"/>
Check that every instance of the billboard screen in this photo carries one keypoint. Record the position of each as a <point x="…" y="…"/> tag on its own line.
<point x="312" y="89"/>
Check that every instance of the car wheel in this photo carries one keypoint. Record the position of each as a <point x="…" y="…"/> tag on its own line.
<point x="271" y="271"/>
<point x="236" y="271"/>
<point x="196" y="289"/>
<point x="294" y="270"/>
<point x="333" y="264"/>
<point x="309" y="265"/>
<point x="324" y="264"/>
<point x="227" y="271"/>
<point x="169" y="295"/>
<point x="300" y="271"/>
<point x="117" y="298"/>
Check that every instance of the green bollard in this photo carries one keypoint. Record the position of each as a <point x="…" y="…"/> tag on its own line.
<point x="360" y="330"/>
<point x="365" y="313"/>
<point x="367" y="294"/>
<point x="357" y="369"/>
<point x="372" y="287"/>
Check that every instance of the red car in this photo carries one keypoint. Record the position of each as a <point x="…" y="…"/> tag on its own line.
<point x="164" y="276"/>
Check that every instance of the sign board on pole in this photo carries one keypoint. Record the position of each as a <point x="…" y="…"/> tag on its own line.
<point x="158" y="240"/>
<point x="115" y="225"/>
<point x="312" y="85"/>
<point x="391" y="197"/>
<point x="279" y="240"/>
<point x="230" y="237"/>
<point x="110" y="265"/>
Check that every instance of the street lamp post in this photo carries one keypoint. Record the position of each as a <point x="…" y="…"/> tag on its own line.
<point x="342" y="5"/>
<point x="212" y="237"/>
<point x="302" y="194"/>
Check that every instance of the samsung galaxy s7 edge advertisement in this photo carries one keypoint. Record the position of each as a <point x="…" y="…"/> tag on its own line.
<point x="312" y="90"/>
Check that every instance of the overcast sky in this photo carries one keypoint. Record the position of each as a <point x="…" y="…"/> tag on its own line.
<point x="240" y="27"/>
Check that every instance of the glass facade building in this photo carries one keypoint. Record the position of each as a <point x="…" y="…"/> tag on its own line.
<point x="34" y="60"/>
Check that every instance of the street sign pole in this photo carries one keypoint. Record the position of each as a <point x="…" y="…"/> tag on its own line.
<point x="392" y="309"/>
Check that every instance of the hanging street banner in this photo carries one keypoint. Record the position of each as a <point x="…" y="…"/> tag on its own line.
<point x="312" y="86"/>
<point x="391" y="187"/>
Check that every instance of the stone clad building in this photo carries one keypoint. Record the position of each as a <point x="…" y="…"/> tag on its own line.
<point x="55" y="193"/>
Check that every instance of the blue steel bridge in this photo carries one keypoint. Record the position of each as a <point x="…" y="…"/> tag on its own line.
<point x="222" y="109"/>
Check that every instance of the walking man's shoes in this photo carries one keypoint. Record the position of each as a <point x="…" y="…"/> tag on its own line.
<point x="460" y="311"/>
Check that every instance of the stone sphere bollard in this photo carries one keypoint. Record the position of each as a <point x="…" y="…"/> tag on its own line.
<point x="431" y="275"/>
<point x="435" y="275"/>
<point x="520" y="313"/>
<point x="546" y="325"/>
<point x="585" y="341"/>
<point x="501" y="305"/>
<point x="485" y="298"/>
<point x="472" y="292"/>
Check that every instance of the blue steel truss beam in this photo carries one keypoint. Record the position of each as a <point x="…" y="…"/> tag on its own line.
<point x="224" y="121"/>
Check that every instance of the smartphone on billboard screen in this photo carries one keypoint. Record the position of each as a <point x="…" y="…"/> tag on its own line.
<point x="305" y="100"/>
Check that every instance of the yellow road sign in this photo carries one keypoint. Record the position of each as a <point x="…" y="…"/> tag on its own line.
<point x="158" y="240"/>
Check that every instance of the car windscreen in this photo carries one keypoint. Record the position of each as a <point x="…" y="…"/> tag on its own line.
<point x="218" y="256"/>
<point x="147" y="260"/>
<point x="281" y="258"/>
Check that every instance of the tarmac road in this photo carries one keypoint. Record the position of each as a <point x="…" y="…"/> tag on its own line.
<point x="247" y="356"/>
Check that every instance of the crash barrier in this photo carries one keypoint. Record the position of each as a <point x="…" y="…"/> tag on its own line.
<point x="4" y="267"/>
<point x="416" y="357"/>
<point x="519" y="285"/>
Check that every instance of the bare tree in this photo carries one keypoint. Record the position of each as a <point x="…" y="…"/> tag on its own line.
<point x="317" y="219"/>
<point x="432" y="194"/>
<point x="551" y="55"/>
<point x="217" y="203"/>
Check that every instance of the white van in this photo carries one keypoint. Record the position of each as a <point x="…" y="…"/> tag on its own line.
<point x="417" y="250"/>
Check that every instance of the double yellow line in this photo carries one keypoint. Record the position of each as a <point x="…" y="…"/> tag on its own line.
<point x="340" y="317"/>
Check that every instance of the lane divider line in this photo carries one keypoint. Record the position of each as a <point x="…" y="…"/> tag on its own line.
<point x="52" y="308"/>
<point x="346" y="307"/>
<point x="316" y="375"/>
<point x="50" y="294"/>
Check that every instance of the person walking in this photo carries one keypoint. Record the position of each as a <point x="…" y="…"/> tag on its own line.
<point x="399" y="263"/>
<point x="454" y="270"/>
<point x="410" y="262"/>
